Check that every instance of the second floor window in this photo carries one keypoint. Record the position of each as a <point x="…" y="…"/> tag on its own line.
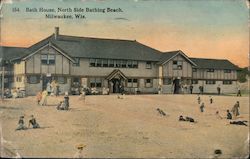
<point x="177" y="65"/>
<point x="210" y="70"/>
<point x="77" y="62"/>
<point x="148" y="65"/>
<point x="48" y="59"/>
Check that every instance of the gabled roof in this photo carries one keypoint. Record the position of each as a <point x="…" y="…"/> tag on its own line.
<point x="9" y="53"/>
<point x="114" y="73"/>
<point x="87" y="47"/>
<point x="214" y="63"/>
<point x="167" y="56"/>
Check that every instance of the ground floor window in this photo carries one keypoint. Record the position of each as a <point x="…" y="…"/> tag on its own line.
<point x="61" y="80"/>
<point x="95" y="82"/>
<point x="148" y="82"/>
<point x="210" y="81"/>
<point x="76" y="82"/>
<point x="19" y="79"/>
<point x="132" y="82"/>
<point x="33" y="79"/>
<point x="227" y="82"/>
<point x="194" y="81"/>
<point x="167" y="81"/>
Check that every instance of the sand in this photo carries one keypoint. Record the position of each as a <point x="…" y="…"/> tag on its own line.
<point x="125" y="128"/>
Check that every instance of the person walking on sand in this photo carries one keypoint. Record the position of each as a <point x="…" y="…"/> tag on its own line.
<point x="44" y="98"/>
<point x="218" y="90"/>
<point x="202" y="107"/>
<point x="235" y="109"/>
<point x="191" y="89"/>
<point x="57" y="89"/>
<point x="48" y="88"/>
<point x="39" y="97"/>
<point x="238" y="92"/>
<point x="211" y="99"/>
<point x="199" y="99"/>
<point x="66" y="101"/>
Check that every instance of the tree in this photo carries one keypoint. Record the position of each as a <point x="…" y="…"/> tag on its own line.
<point x="242" y="73"/>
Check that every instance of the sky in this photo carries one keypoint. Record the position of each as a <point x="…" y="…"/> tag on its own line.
<point x="200" y="28"/>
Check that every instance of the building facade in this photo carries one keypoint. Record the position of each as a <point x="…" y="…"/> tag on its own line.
<point x="110" y="63"/>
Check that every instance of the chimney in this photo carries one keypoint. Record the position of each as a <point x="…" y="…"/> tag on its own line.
<point x="56" y="32"/>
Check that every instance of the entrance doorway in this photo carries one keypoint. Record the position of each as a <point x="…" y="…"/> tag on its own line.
<point x="46" y="80"/>
<point x="116" y="85"/>
<point x="116" y="81"/>
<point x="177" y="87"/>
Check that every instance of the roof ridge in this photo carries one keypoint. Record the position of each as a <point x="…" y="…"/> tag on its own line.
<point x="87" y="37"/>
<point x="206" y="58"/>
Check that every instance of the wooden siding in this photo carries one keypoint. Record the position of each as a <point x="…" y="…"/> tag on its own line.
<point x="217" y="75"/>
<point x="19" y="68"/>
<point x="186" y="70"/>
<point x="85" y="70"/>
<point x="34" y="66"/>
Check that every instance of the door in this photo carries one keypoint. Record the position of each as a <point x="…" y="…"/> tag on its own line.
<point x="46" y="80"/>
<point x="176" y="83"/>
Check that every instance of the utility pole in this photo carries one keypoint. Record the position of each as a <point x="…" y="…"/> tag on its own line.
<point x="2" y="82"/>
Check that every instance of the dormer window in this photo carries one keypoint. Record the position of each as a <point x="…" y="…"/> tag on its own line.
<point x="227" y="71"/>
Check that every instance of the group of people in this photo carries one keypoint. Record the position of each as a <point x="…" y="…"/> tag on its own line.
<point x="14" y="93"/>
<point x="53" y="88"/>
<point x="42" y="98"/>
<point x="32" y="122"/>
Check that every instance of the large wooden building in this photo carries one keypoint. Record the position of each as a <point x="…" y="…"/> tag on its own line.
<point x="95" y="62"/>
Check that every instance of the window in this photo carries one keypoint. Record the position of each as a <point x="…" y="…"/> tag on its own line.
<point x="210" y="81"/>
<point x="105" y="62"/>
<point x="132" y="83"/>
<point x="98" y="62"/>
<point x="148" y="65"/>
<point x="194" y="81"/>
<point x="210" y="70"/>
<point x="77" y="63"/>
<point x="124" y="63"/>
<point x="130" y="64"/>
<point x="48" y="59"/>
<point x="167" y="81"/>
<point x="95" y="82"/>
<point x="76" y="82"/>
<point x="33" y="79"/>
<point x="134" y="64"/>
<point x="227" y="71"/>
<point x="44" y="59"/>
<point x="194" y="69"/>
<point x="148" y="82"/>
<point x="92" y="62"/>
<point x="177" y="65"/>
<point x="227" y="82"/>
<point x="18" y="79"/>
<point x="61" y="80"/>
<point x="111" y="63"/>
<point x="117" y="63"/>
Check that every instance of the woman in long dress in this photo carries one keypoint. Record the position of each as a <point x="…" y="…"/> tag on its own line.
<point x="44" y="98"/>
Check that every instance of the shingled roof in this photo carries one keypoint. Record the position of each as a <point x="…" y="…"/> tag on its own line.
<point x="8" y="53"/>
<point x="87" y="47"/>
<point x="214" y="63"/>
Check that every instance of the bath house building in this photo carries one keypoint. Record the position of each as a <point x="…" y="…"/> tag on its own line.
<point x="96" y="62"/>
